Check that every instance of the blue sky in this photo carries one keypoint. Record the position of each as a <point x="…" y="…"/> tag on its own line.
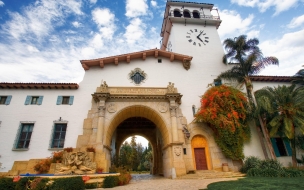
<point x="43" y="40"/>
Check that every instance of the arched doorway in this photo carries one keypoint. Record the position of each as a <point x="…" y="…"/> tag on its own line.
<point x="200" y="152"/>
<point x="139" y="120"/>
<point x="143" y="127"/>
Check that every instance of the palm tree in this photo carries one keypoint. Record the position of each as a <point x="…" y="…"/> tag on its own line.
<point x="247" y="60"/>
<point x="299" y="78"/>
<point x="284" y="106"/>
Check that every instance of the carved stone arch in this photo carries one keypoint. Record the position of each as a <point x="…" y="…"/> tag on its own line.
<point x="138" y="111"/>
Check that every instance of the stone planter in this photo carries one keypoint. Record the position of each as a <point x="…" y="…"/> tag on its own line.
<point x="225" y="167"/>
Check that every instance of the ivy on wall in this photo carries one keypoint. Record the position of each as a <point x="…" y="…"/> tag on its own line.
<point x="225" y="109"/>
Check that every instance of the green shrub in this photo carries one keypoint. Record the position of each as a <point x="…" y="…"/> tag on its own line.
<point x="24" y="183"/>
<point x="91" y="185"/>
<point x="249" y="163"/>
<point x="110" y="181"/>
<point x="254" y="172"/>
<point x="267" y="172"/>
<point x="271" y="164"/>
<point x="70" y="183"/>
<point x="271" y="172"/>
<point x="292" y="172"/>
<point x="7" y="183"/>
<point x="39" y="184"/>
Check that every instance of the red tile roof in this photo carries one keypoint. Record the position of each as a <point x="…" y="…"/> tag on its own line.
<point x="127" y="58"/>
<point x="272" y="78"/>
<point x="7" y="85"/>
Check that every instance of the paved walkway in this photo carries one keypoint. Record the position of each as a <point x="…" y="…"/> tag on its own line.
<point x="150" y="182"/>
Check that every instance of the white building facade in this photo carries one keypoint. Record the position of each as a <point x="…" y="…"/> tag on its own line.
<point x="38" y="118"/>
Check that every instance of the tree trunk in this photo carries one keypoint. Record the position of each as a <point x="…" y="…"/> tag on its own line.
<point x="264" y="131"/>
<point x="293" y="148"/>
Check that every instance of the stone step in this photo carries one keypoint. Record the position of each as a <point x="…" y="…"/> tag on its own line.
<point x="211" y="174"/>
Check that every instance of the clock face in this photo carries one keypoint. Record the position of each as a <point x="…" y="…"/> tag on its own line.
<point x="197" y="37"/>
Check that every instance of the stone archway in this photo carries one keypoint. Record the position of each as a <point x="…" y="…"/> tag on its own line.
<point x="155" y="131"/>
<point x="114" y="105"/>
<point x="200" y="153"/>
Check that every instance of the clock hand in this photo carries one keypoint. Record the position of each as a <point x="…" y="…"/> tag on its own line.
<point x="199" y="39"/>
<point x="200" y="34"/>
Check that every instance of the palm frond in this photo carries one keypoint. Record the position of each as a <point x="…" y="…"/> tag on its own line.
<point x="288" y="127"/>
<point x="233" y="74"/>
<point x="262" y="63"/>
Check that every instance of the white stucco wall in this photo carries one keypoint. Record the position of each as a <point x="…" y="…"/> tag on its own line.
<point x="43" y="116"/>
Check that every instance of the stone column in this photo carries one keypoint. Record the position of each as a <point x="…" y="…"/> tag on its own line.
<point x="173" y="121"/>
<point x="101" y="118"/>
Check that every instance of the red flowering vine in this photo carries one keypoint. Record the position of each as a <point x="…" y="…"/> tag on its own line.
<point x="225" y="109"/>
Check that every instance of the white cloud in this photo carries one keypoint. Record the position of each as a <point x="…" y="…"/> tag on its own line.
<point x="253" y="34"/>
<point x="32" y="49"/>
<point x="93" y="1"/>
<point x="39" y="19"/>
<point x="76" y="24"/>
<point x="263" y="5"/>
<point x="289" y="50"/>
<point x="297" y="21"/>
<point x="23" y="63"/>
<point x="87" y="52"/>
<point x="134" y="31"/>
<point x="154" y="3"/>
<point x="135" y="8"/>
<point x="234" y="25"/>
<point x="1" y="4"/>
<point x="105" y="21"/>
<point x="103" y="17"/>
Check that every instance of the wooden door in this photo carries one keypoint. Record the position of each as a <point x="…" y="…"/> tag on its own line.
<point x="200" y="159"/>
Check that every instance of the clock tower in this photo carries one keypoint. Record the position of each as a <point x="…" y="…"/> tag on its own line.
<point x="191" y="28"/>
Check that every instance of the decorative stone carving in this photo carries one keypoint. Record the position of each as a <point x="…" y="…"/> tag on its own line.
<point x="187" y="64"/>
<point x="104" y="87"/>
<point x="170" y="87"/>
<point x="177" y="151"/>
<point x="101" y="110"/>
<point x="173" y="111"/>
<point x="137" y="76"/>
<point x="162" y="107"/>
<point x="112" y="108"/>
<point x="76" y="163"/>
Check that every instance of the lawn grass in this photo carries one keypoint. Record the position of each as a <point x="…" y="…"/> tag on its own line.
<point x="261" y="183"/>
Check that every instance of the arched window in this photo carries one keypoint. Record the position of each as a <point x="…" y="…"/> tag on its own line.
<point x="187" y="14"/>
<point x="196" y="14"/>
<point x="177" y="13"/>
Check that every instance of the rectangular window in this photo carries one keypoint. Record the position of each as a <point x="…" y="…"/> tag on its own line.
<point x="33" y="100"/>
<point x="281" y="147"/>
<point x="65" y="100"/>
<point x="24" y="136"/>
<point x="5" y="100"/>
<point x="59" y="135"/>
<point x="217" y="82"/>
<point x="2" y="99"/>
